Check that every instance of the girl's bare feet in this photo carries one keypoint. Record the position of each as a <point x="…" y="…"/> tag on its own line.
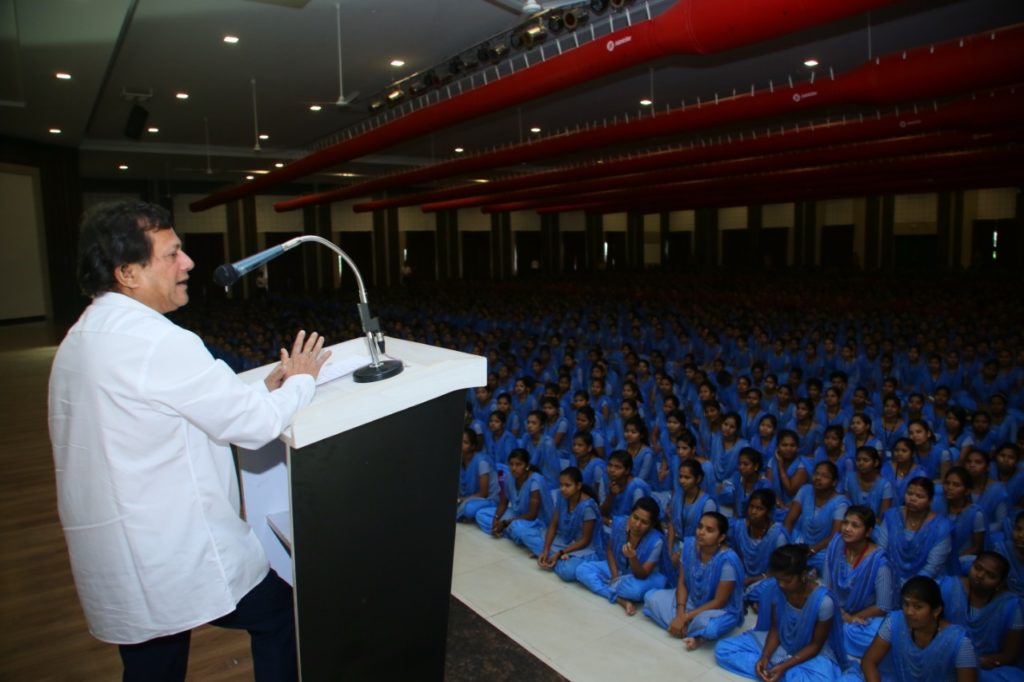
<point x="629" y="606"/>
<point x="691" y="643"/>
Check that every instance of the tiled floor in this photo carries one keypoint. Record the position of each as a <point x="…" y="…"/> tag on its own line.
<point x="577" y="633"/>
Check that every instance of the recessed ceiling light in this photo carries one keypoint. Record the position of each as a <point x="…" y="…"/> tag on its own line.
<point x="123" y="166"/>
<point x="181" y="95"/>
<point x="481" y="180"/>
<point x="264" y="136"/>
<point x="459" y="150"/>
<point x="278" y="165"/>
<point x="62" y="75"/>
<point x="153" y="130"/>
<point x="646" y="102"/>
<point x="535" y="129"/>
<point x="231" y="40"/>
<point x="55" y="131"/>
<point x="249" y="177"/>
<point x="397" y="62"/>
<point x="315" y="107"/>
<point x="810" y="63"/>
<point x="347" y="174"/>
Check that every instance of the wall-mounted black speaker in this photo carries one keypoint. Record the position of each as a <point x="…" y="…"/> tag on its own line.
<point x="136" y="122"/>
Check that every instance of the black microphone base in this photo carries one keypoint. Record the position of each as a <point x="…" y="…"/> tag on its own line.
<point x="385" y="370"/>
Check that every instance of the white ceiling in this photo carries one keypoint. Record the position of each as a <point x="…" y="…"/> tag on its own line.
<point x="290" y="48"/>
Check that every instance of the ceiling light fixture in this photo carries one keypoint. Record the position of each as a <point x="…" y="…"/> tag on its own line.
<point x="249" y="177"/>
<point x="63" y="76"/>
<point x="646" y="102"/>
<point x="181" y="95"/>
<point x="574" y="17"/>
<point x="231" y="40"/>
<point x="55" y="131"/>
<point x="153" y="129"/>
<point x="397" y="63"/>
<point x="123" y="166"/>
<point x="315" y="107"/>
<point x="278" y="165"/>
<point x="535" y="129"/>
<point x="811" y="63"/>
<point x="264" y="136"/>
<point x="459" y="150"/>
<point x="395" y="96"/>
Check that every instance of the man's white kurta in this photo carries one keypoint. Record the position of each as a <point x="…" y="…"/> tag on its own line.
<point x="141" y="416"/>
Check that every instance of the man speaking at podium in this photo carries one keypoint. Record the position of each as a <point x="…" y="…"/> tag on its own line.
<point x="141" y="417"/>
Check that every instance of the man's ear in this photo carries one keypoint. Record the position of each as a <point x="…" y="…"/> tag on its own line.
<point x="127" y="275"/>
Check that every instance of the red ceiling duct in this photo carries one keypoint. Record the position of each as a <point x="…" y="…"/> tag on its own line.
<point x="849" y="173"/>
<point x="979" y="111"/>
<point x="985" y="60"/>
<point x="688" y="27"/>
<point x="877" y="149"/>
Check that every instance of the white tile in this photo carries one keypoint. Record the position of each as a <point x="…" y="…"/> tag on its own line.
<point x="503" y="585"/>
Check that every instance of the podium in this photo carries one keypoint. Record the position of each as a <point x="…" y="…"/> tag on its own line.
<point x="355" y="506"/>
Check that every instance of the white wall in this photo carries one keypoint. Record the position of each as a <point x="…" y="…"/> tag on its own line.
<point x="24" y="284"/>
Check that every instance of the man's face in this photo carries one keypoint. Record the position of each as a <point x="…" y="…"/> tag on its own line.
<point x="161" y="283"/>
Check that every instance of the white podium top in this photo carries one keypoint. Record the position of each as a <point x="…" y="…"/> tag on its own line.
<point x="342" y="404"/>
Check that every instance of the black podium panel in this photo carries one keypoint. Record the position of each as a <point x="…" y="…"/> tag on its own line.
<point x="373" y="513"/>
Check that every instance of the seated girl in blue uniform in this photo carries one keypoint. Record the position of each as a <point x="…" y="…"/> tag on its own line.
<point x="645" y="462"/>
<point x="614" y="430"/>
<point x="902" y="469"/>
<point x="966" y="520"/>
<point x="916" y="539"/>
<point x="595" y="475"/>
<point x="687" y="506"/>
<point x="765" y="442"/>
<point x="725" y="448"/>
<point x="632" y="555"/>
<point x="891" y="426"/>
<point x="573" y="536"/>
<point x="787" y="471"/>
<point x="809" y="431"/>
<point x="522" y="500"/>
<point x="865" y="484"/>
<point x="833" y="450"/>
<point x="755" y="537"/>
<point x="707" y="600"/>
<point x="857" y="571"/>
<point x="799" y="634"/>
<point x="816" y="514"/>
<point x="555" y="425"/>
<point x="586" y="422"/>
<point x="685" y="448"/>
<point x="916" y="644"/>
<point x="478" y="479"/>
<point x="749" y="477"/>
<point x="1010" y="543"/>
<point x="987" y="492"/>
<point x="1009" y="472"/>
<point x="992" y="616"/>
<point x="543" y="455"/>
<point x="930" y="456"/>
<point x="860" y="434"/>
<point x="498" y="440"/>
<point x="624" y="489"/>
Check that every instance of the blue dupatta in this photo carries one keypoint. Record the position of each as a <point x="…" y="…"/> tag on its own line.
<point x="796" y="626"/>
<point x="872" y="498"/>
<point x="987" y="628"/>
<point x="855" y="586"/>
<point x="702" y="579"/>
<point x="908" y="556"/>
<point x="570" y="525"/>
<point x="649" y="548"/>
<point x="755" y="553"/>
<point x="519" y="497"/>
<point x="815" y="523"/>
<point x="934" y="662"/>
<point x="685" y="516"/>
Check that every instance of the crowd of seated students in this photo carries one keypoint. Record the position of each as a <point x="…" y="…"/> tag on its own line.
<point x="841" y="454"/>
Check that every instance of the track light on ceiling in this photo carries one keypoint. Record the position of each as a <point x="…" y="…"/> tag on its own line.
<point x="555" y="22"/>
<point x="598" y="5"/>
<point x="528" y="36"/>
<point x="376" y="105"/>
<point x="572" y="18"/>
<point x="395" y="96"/>
<point x="619" y="4"/>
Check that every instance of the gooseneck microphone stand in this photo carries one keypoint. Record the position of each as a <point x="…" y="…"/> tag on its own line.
<point x="227" y="274"/>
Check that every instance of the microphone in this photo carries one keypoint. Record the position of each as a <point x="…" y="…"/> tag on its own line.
<point x="229" y="273"/>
